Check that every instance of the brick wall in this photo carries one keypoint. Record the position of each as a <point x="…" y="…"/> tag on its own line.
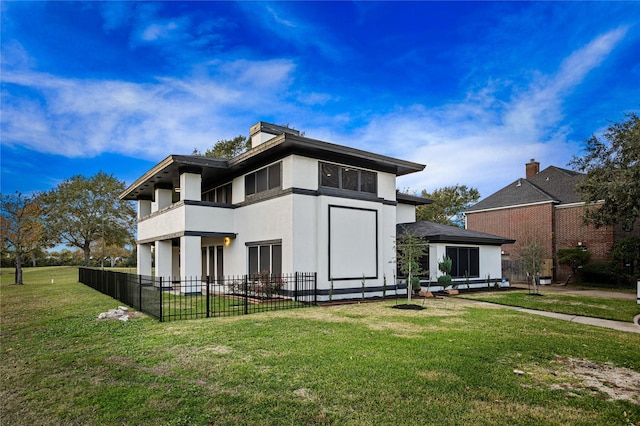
<point x="571" y="229"/>
<point x="523" y="224"/>
<point x="553" y="227"/>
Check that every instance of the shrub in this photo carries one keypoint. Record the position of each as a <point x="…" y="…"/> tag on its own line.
<point x="608" y="274"/>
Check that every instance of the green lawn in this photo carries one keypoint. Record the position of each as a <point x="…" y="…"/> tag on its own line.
<point x="362" y="364"/>
<point x="597" y="307"/>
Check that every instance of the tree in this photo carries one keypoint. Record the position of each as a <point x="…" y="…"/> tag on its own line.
<point x="409" y="249"/>
<point x="21" y="226"/>
<point x="531" y="255"/>
<point x="612" y="167"/>
<point x="81" y="211"/>
<point x="626" y="251"/>
<point x="227" y="148"/>
<point x="575" y="258"/>
<point x="448" y="204"/>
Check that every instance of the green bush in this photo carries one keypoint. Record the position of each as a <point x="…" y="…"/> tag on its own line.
<point x="606" y="274"/>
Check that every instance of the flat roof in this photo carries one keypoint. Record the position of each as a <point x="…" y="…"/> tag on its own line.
<point x="215" y="170"/>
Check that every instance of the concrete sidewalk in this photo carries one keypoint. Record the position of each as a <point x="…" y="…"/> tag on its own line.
<point x="615" y="325"/>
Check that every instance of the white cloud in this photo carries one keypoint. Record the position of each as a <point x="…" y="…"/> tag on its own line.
<point x="483" y="141"/>
<point x="83" y="118"/>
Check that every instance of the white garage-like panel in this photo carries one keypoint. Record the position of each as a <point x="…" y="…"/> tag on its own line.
<point x="353" y="243"/>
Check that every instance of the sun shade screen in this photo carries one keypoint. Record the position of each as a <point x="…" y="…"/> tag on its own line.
<point x="353" y="236"/>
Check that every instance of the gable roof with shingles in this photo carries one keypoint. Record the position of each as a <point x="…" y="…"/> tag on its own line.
<point x="552" y="185"/>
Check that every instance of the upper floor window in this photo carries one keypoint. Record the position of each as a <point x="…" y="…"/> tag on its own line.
<point x="221" y="194"/>
<point x="262" y="180"/>
<point x="348" y="178"/>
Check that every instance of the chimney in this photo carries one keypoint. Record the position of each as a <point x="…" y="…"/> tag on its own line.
<point x="532" y="168"/>
<point x="261" y="132"/>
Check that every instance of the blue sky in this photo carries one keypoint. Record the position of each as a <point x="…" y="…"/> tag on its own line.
<point x="473" y="90"/>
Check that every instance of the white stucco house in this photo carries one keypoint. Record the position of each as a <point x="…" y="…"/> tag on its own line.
<point x="289" y="204"/>
<point x="476" y="256"/>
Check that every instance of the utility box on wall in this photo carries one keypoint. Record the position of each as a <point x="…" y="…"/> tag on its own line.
<point x="546" y="271"/>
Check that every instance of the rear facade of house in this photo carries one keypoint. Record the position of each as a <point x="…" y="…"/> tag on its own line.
<point x="289" y="204"/>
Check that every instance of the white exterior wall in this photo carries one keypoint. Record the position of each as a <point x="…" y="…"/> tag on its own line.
<point x="490" y="258"/>
<point x="264" y="221"/>
<point x="302" y="173"/>
<point x="405" y="213"/>
<point x="357" y="253"/>
<point x="387" y="186"/>
<point x="490" y="262"/>
<point x="182" y="217"/>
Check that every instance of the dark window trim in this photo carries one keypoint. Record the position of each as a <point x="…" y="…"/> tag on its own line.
<point x="341" y="170"/>
<point x="268" y="185"/>
<point x="460" y="274"/>
<point x="260" y="248"/>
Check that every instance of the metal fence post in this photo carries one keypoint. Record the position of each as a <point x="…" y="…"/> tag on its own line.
<point x="140" y="291"/>
<point x="295" y="291"/>
<point x="246" y="294"/>
<point x="207" y="293"/>
<point x="160" y="299"/>
<point x="315" y="288"/>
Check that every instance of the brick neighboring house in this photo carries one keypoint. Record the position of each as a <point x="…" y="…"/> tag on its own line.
<point x="544" y="206"/>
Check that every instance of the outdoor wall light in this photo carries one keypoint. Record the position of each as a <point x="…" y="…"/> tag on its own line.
<point x="227" y="241"/>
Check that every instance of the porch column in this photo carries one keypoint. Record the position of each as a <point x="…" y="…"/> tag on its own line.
<point x="190" y="183"/>
<point x="164" y="194"/>
<point x="191" y="263"/>
<point x="144" y="208"/>
<point x="163" y="259"/>
<point x="144" y="259"/>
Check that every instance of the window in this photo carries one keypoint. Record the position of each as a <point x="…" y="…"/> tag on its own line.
<point x="329" y="173"/>
<point x="265" y="257"/>
<point x="465" y="261"/>
<point x="348" y="178"/>
<point x="221" y="194"/>
<point x="423" y="261"/>
<point x="262" y="180"/>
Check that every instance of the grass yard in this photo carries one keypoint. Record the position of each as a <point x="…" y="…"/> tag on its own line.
<point x="454" y="363"/>
<point x="596" y="307"/>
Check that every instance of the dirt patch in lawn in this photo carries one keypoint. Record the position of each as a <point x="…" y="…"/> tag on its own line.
<point x="574" y="375"/>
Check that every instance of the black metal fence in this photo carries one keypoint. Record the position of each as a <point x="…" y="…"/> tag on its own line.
<point x="204" y="297"/>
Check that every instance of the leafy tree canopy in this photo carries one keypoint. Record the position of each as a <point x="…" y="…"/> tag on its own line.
<point x="627" y="252"/>
<point x="21" y="224"/>
<point x="227" y="148"/>
<point x="612" y="167"/>
<point x="448" y="204"/>
<point x="80" y="211"/>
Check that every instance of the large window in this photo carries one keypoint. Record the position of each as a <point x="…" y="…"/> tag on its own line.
<point x="348" y="178"/>
<point x="265" y="257"/>
<point x="262" y="180"/>
<point x="221" y="194"/>
<point x="465" y="261"/>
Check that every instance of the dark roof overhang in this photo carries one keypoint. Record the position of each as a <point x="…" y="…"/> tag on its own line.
<point x="439" y="233"/>
<point x="167" y="172"/>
